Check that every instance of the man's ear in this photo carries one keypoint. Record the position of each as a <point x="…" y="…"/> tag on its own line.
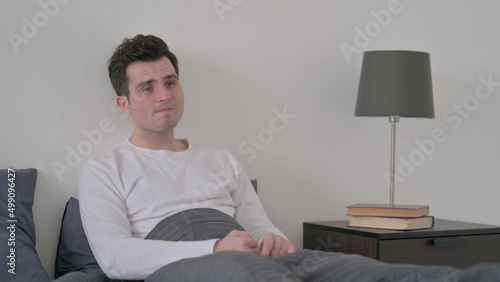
<point x="122" y="102"/>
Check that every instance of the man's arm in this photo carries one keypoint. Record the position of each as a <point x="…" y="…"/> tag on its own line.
<point x="250" y="213"/>
<point x="119" y="254"/>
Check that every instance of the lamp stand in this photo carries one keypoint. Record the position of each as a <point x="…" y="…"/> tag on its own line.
<point x="393" y="120"/>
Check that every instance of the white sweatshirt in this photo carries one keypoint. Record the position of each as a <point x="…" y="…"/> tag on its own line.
<point x="127" y="190"/>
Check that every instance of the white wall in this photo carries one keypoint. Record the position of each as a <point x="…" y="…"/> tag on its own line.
<point x="239" y="65"/>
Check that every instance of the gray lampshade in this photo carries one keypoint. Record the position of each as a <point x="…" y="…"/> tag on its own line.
<point x="395" y="83"/>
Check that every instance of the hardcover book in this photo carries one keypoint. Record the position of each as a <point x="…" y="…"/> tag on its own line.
<point x="387" y="210"/>
<point x="393" y="223"/>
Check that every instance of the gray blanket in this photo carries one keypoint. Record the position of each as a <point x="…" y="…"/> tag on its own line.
<point x="194" y="225"/>
<point x="303" y="265"/>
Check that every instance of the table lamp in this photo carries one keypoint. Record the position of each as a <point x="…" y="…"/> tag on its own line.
<point x="395" y="84"/>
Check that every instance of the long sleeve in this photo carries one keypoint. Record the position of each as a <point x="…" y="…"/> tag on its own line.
<point x="107" y="226"/>
<point x="249" y="211"/>
<point x="125" y="192"/>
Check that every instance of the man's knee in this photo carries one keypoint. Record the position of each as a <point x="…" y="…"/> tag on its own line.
<point x="222" y="266"/>
<point x="228" y="266"/>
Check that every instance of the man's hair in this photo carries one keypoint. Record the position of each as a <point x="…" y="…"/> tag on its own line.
<point x="142" y="48"/>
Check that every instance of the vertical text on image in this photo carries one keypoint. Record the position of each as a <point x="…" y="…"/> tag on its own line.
<point x="11" y="221"/>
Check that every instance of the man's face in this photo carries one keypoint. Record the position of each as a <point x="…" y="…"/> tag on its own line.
<point x="156" y="96"/>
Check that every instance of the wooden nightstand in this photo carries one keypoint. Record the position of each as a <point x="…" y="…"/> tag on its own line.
<point x="452" y="243"/>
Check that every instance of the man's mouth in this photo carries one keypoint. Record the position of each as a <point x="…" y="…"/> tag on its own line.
<point x="165" y="109"/>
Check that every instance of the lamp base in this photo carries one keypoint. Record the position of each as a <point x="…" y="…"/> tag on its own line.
<point x="393" y="120"/>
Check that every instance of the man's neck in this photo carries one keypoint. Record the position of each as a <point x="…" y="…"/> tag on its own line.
<point x="158" y="141"/>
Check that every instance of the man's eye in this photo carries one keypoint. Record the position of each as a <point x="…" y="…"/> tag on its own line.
<point x="147" y="89"/>
<point x="170" y="83"/>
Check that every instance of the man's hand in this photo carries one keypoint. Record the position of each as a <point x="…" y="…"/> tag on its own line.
<point x="274" y="245"/>
<point x="237" y="241"/>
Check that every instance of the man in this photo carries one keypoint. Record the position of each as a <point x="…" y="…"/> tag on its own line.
<point x="163" y="209"/>
<point x="127" y="191"/>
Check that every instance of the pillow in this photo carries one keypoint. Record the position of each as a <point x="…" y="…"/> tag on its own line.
<point x="18" y="256"/>
<point x="254" y="184"/>
<point x="73" y="250"/>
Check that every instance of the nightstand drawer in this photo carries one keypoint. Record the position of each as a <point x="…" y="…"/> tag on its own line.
<point x="452" y="243"/>
<point x="456" y="251"/>
<point x="317" y="239"/>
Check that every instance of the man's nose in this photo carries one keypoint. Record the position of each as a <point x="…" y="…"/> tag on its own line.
<point x="164" y="94"/>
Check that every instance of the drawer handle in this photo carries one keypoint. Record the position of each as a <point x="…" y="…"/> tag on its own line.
<point x="444" y="243"/>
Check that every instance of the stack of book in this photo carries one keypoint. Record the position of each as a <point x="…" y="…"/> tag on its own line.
<point x="394" y="217"/>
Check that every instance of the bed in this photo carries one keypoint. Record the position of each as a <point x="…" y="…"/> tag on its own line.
<point x="74" y="259"/>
